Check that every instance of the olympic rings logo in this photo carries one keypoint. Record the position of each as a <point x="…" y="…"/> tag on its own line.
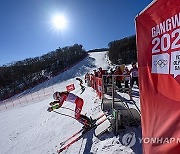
<point x="160" y="63"/>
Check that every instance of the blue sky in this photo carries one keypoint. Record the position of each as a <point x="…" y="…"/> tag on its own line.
<point x="26" y="29"/>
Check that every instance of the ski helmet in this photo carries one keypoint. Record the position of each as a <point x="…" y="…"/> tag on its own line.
<point x="56" y="95"/>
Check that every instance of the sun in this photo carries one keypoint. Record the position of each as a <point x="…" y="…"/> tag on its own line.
<point x="59" y="22"/>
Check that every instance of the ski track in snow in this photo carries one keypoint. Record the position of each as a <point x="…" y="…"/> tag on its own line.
<point x="30" y="129"/>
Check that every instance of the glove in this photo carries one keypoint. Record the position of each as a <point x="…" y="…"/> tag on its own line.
<point x="51" y="103"/>
<point x="50" y="109"/>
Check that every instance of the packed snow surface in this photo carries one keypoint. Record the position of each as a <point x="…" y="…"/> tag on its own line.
<point x="29" y="129"/>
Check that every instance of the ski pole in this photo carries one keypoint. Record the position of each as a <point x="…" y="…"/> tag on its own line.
<point x="68" y="108"/>
<point x="64" y="114"/>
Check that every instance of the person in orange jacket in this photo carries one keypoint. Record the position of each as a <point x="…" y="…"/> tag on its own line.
<point x="118" y="78"/>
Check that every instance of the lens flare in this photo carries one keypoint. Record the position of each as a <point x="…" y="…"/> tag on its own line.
<point x="59" y="22"/>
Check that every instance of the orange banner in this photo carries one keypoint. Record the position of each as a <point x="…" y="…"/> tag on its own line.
<point x="158" y="43"/>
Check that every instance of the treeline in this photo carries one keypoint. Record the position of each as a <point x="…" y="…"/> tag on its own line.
<point x="99" y="50"/>
<point x="21" y="75"/>
<point x="123" y="51"/>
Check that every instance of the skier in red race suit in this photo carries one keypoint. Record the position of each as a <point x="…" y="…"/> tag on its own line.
<point x="61" y="97"/>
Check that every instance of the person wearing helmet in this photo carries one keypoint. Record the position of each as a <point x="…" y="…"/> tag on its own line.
<point x="61" y="97"/>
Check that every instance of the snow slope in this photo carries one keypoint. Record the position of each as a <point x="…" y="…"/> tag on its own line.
<point x="29" y="129"/>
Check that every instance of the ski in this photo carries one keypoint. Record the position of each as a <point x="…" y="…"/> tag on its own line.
<point x="81" y="136"/>
<point x="81" y="130"/>
<point x="62" y="143"/>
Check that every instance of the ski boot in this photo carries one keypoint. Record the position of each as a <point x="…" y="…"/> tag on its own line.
<point x="87" y="122"/>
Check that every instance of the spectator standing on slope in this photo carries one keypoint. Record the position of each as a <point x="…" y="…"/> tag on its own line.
<point x="118" y="78"/>
<point x="126" y="78"/>
<point x="134" y="72"/>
